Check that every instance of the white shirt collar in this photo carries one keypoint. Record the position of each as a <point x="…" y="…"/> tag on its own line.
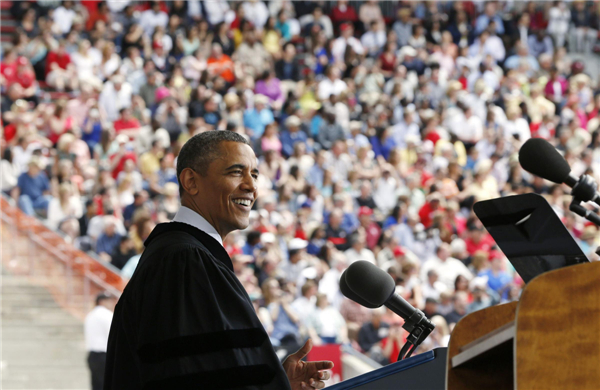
<point x="190" y="217"/>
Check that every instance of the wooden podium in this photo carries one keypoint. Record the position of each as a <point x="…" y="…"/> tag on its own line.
<point x="549" y="339"/>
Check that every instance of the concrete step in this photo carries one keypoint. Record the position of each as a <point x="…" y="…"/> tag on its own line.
<point x="42" y="344"/>
<point x="7" y="29"/>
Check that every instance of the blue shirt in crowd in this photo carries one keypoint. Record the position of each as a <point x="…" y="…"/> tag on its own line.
<point x="107" y="243"/>
<point x="34" y="187"/>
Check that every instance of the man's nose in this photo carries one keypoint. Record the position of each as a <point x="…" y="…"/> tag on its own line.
<point x="249" y="184"/>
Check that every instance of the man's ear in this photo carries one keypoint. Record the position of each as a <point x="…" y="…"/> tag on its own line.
<point x="189" y="181"/>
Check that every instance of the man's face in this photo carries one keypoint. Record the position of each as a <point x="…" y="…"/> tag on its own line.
<point x="335" y="220"/>
<point x="34" y="170"/>
<point x="250" y="37"/>
<point x="430" y="307"/>
<point x="443" y="253"/>
<point x="110" y="303"/>
<point x="110" y="229"/>
<point x="126" y="245"/>
<point x="231" y="178"/>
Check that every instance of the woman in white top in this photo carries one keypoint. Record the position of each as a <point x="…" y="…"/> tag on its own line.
<point x="559" y="17"/>
<point x="326" y="324"/>
<point x="110" y="61"/>
<point x="8" y="172"/>
<point x="85" y="64"/>
<point x="67" y="204"/>
<point x="125" y="192"/>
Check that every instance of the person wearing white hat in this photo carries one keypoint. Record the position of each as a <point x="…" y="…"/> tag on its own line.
<point x="291" y="135"/>
<point x="296" y="262"/>
<point x="115" y="95"/>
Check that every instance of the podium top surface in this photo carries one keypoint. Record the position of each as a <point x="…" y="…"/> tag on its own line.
<point x="529" y="233"/>
<point x="388" y="370"/>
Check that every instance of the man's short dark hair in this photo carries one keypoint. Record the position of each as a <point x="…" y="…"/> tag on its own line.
<point x="103" y="296"/>
<point x="253" y="237"/>
<point x="202" y="149"/>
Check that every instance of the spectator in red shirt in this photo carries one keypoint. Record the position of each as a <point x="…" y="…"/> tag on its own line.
<point x="127" y="124"/>
<point x="365" y="216"/>
<point x="8" y="67"/>
<point x="478" y="240"/>
<point x="392" y="344"/>
<point x="117" y="160"/>
<point x="60" y="71"/>
<point x="24" y="77"/>
<point x="342" y="13"/>
<point x="100" y="13"/>
<point x="426" y="213"/>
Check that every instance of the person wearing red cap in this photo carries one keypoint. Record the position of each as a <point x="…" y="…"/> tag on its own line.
<point x="371" y="228"/>
<point x="346" y="38"/>
<point x="159" y="56"/>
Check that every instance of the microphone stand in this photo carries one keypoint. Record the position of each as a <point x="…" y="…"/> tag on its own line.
<point x="578" y="209"/>
<point x="418" y="327"/>
<point x="584" y="191"/>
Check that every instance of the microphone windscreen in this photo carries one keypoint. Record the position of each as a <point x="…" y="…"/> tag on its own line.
<point x="348" y="293"/>
<point x="370" y="282"/>
<point x="539" y="157"/>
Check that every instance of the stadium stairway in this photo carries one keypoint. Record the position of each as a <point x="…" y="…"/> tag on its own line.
<point x="42" y="344"/>
<point x="47" y="288"/>
<point x="7" y="24"/>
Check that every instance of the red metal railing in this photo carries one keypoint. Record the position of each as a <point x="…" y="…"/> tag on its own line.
<point x="32" y="250"/>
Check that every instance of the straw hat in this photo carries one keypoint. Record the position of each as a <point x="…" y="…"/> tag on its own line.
<point x="231" y="99"/>
<point x="261" y="99"/>
<point x="35" y="161"/>
<point x="293" y="121"/>
<point x="171" y="189"/>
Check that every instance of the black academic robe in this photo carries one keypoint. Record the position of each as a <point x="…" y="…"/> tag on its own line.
<point x="185" y="321"/>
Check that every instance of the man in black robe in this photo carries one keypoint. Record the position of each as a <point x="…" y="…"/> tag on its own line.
<point x="184" y="320"/>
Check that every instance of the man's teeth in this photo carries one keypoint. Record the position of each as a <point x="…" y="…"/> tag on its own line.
<point x="243" y="202"/>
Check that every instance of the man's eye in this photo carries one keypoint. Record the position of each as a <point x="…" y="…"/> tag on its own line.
<point x="238" y="172"/>
<point x="255" y="177"/>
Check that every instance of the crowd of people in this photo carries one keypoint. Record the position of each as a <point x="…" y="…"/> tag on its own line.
<point x="377" y="127"/>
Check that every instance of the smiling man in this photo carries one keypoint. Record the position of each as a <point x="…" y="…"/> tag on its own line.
<point x="184" y="320"/>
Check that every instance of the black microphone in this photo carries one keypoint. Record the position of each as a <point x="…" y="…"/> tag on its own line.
<point x="370" y="286"/>
<point x="348" y="293"/>
<point x="539" y="157"/>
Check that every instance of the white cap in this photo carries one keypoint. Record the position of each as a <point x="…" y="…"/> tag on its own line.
<point x="296" y="244"/>
<point x="309" y="273"/>
<point x="267" y="237"/>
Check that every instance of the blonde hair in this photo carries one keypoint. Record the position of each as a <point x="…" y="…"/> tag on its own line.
<point x="64" y="188"/>
<point x="440" y="325"/>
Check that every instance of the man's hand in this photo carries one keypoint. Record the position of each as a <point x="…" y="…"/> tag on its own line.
<point x="306" y="375"/>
